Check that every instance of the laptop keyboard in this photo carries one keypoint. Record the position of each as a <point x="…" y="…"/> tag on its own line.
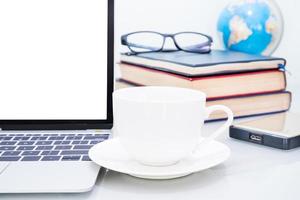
<point x="48" y="147"/>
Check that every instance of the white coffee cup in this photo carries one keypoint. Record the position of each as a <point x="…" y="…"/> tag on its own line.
<point x="159" y="126"/>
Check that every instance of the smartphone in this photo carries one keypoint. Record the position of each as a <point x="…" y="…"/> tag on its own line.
<point x="280" y="131"/>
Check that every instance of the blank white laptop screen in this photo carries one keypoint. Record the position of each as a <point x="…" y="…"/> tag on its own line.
<point x="53" y="59"/>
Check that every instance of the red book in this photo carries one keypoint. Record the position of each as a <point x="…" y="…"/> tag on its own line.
<point x="215" y="87"/>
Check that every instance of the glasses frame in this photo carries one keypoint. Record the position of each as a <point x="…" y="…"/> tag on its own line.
<point x="124" y="41"/>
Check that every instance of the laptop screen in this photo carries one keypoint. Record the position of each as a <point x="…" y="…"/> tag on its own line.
<point x="53" y="59"/>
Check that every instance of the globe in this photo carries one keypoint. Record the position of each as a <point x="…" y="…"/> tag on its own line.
<point x="251" y="26"/>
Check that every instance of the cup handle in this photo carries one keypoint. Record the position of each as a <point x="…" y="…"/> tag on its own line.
<point x="221" y="129"/>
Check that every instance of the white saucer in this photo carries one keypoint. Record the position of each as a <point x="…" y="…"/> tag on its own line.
<point x="111" y="155"/>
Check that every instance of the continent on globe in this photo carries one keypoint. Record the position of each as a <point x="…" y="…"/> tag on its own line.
<point x="239" y="30"/>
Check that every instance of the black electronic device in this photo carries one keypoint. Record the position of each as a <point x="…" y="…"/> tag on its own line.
<point x="280" y="131"/>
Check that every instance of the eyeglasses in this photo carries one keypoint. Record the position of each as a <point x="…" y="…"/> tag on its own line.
<point x="149" y="41"/>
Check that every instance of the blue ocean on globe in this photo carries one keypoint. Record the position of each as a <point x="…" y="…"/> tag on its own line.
<point x="252" y="26"/>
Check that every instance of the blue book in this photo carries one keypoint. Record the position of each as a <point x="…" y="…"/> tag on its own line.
<point x="195" y="65"/>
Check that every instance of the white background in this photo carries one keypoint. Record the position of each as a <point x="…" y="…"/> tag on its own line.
<point x="53" y="59"/>
<point x="201" y="15"/>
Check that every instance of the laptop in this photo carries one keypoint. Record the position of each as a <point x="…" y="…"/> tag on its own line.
<point x="56" y="67"/>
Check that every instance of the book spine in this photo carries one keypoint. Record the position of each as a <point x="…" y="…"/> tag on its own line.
<point x="245" y="116"/>
<point x="258" y="114"/>
<point x="203" y="75"/>
<point x="221" y="97"/>
<point x="130" y="84"/>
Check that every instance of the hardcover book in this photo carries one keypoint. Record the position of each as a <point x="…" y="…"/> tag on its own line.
<point x="194" y="64"/>
<point x="218" y="86"/>
<point x="244" y="106"/>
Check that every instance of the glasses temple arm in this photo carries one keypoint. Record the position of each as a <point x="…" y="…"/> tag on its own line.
<point x="129" y="44"/>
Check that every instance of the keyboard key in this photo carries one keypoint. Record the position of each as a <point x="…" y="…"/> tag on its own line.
<point x="50" y="153"/>
<point x="21" y="138"/>
<point x="86" y="158"/>
<point x="63" y="147"/>
<point x="62" y="142"/>
<point x="66" y="142"/>
<point x="44" y="147"/>
<point x="7" y="138"/>
<point x="11" y="153"/>
<point x="56" y="138"/>
<point x="93" y="137"/>
<point x="60" y="138"/>
<point x="103" y="136"/>
<point x="30" y="153"/>
<point x="80" y="142"/>
<point x="79" y="147"/>
<point x="26" y="143"/>
<point x="26" y="148"/>
<point x="70" y="158"/>
<point x="58" y="142"/>
<point x="74" y="138"/>
<point x="7" y="148"/>
<point x="10" y="158"/>
<point x="95" y="141"/>
<point x="39" y="138"/>
<point x="76" y="152"/>
<point x="78" y="138"/>
<point x="31" y="158"/>
<point x="44" y="143"/>
<point x="51" y="158"/>
<point x="76" y="142"/>
<point x="8" y="143"/>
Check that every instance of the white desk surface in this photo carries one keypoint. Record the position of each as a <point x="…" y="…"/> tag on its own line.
<point x="252" y="172"/>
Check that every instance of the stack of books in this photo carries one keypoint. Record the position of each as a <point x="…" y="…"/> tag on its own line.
<point x="248" y="84"/>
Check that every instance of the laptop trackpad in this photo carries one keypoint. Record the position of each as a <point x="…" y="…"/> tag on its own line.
<point x="3" y="166"/>
<point x="48" y="177"/>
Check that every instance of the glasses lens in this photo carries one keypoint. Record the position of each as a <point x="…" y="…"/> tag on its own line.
<point x="145" y="41"/>
<point x="193" y="42"/>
